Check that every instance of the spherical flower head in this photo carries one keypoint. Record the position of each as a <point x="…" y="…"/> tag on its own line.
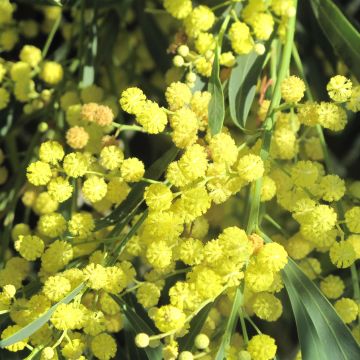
<point x="148" y="295"/>
<point x="116" y="279"/>
<point x="95" y="323"/>
<point x="354" y="240"/>
<point x="111" y="157"/>
<point x="81" y="224"/>
<point x="152" y="118"/>
<point x="185" y="127"/>
<point x="38" y="173"/>
<point x="20" y="71"/>
<point x="94" y="189"/>
<point x="103" y="346"/>
<point x="193" y="163"/>
<point x="11" y="330"/>
<point x="142" y="340"/>
<point x="56" y="287"/>
<point x="342" y="254"/>
<point x="179" y="9"/>
<point x="158" y="197"/>
<point x="263" y="25"/>
<point x="30" y="247"/>
<point x="51" y="72"/>
<point x="56" y="256"/>
<point x="250" y="167"/>
<point x="202" y="341"/>
<point x="20" y="229"/>
<point x="352" y="219"/>
<point x="159" y="254"/>
<point x="331" y="116"/>
<point x="257" y="277"/>
<point x="44" y="204"/>
<point x="347" y="309"/>
<point x="292" y="89"/>
<point x="200" y="19"/>
<point x="4" y="98"/>
<point x="332" y="188"/>
<point x="268" y="188"/>
<point x="273" y="256"/>
<point x="339" y="88"/>
<point x="48" y="353"/>
<point x="190" y="251"/>
<point x="104" y="115"/>
<point x="353" y="103"/>
<point x="169" y="318"/>
<point x="60" y="189"/>
<point x="241" y="41"/>
<point x="77" y="137"/>
<point x="223" y="149"/>
<point x="76" y="164"/>
<point x="96" y="276"/>
<point x="31" y="55"/>
<point x="177" y="95"/>
<point x="304" y="173"/>
<point x="298" y="247"/>
<point x="132" y="169"/>
<point x="199" y="104"/>
<point x="51" y="152"/>
<point x="68" y="317"/>
<point x="117" y="191"/>
<point x="267" y="307"/>
<point x="132" y="100"/>
<point x="332" y="286"/>
<point x="51" y="225"/>
<point x="262" y="347"/>
<point x="313" y="148"/>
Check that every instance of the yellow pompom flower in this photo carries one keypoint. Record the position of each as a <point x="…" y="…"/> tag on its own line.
<point x="51" y="152"/>
<point x="51" y="72"/>
<point x="177" y="95"/>
<point x="96" y="276"/>
<point x="39" y="173"/>
<point x="292" y="89"/>
<point x="304" y="173"/>
<point x="158" y="197"/>
<point x="68" y="317"/>
<point x="262" y="347"/>
<point x="159" y="254"/>
<point x="81" y="224"/>
<point x="190" y="251"/>
<point x="94" y="188"/>
<point x="332" y="286"/>
<point x="347" y="309"/>
<point x="132" y="169"/>
<point x="200" y="19"/>
<point x="266" y="306"/>
<point x="77" y="137"/>
<point x="111" y="157"/>
<point x="169" y="318"/>
<point x="331" y="116"/>
<point x="19" y="345"/>
<point x="56" y="287"/>
<point x="103" y="346"/>
<point x="354" y="240"/>
<point x="272" y="256"/>
<point x="20" y="71"/>
<point x="263" y="25"/>
<point x="339" y="88"/>
<point x="223" y="149"/>
<point x="95" y="323"/>
<point x="45" y="204"/>
<point x="31" y="55"/>
<point x="332" y="188"/>
<point x="20" y="229"/>
<point x="352" y="219"/>
<point x="353" y="103"/>
<point x="152" y="118"/>
<point x="117" y="191"/>
<point x="193" y="163"/>
<point x="250" y="167"/>
<point x="132" y="100"/>
<point x="179" y="9"/>
<point x="342" y="254"/>
<point x="60" y="189"/>
<point x="241" y="41"/>
<point x="199" y="104"/>
<point x="257" y="277"/>
<point x="148" y="295"/>
<point x="185" y="127"/>
<point x="30" y="247"/>
<point x="298" y="247"/>
<point x="308" y="114"/>
<point x="268" y="188"/>
<point x="284" y="145"/>
<point x="56" y="256"/>
<point x="76" y="164"/>
<point x="51" y="225"/>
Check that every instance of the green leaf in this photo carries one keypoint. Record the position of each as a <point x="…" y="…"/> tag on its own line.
<point x="138" y="325"/>
<point x="217" y="102"/>
<point x="39" y="322"/>
<point x="321" y="331"/>
<point x="230" y="326"/>
<point x="196" y="324"/>
<point x="242" y="86"/>
<point x="342" y="35"/>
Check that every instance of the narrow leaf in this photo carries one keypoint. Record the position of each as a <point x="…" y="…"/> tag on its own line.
<point x="39" y="322"/>
<point x="138" y="325"/>
<point x="331" y="335"/>
<point x="342" y="35"/>
<point x="217" y="103"/>
<point x="196" y="324"/>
